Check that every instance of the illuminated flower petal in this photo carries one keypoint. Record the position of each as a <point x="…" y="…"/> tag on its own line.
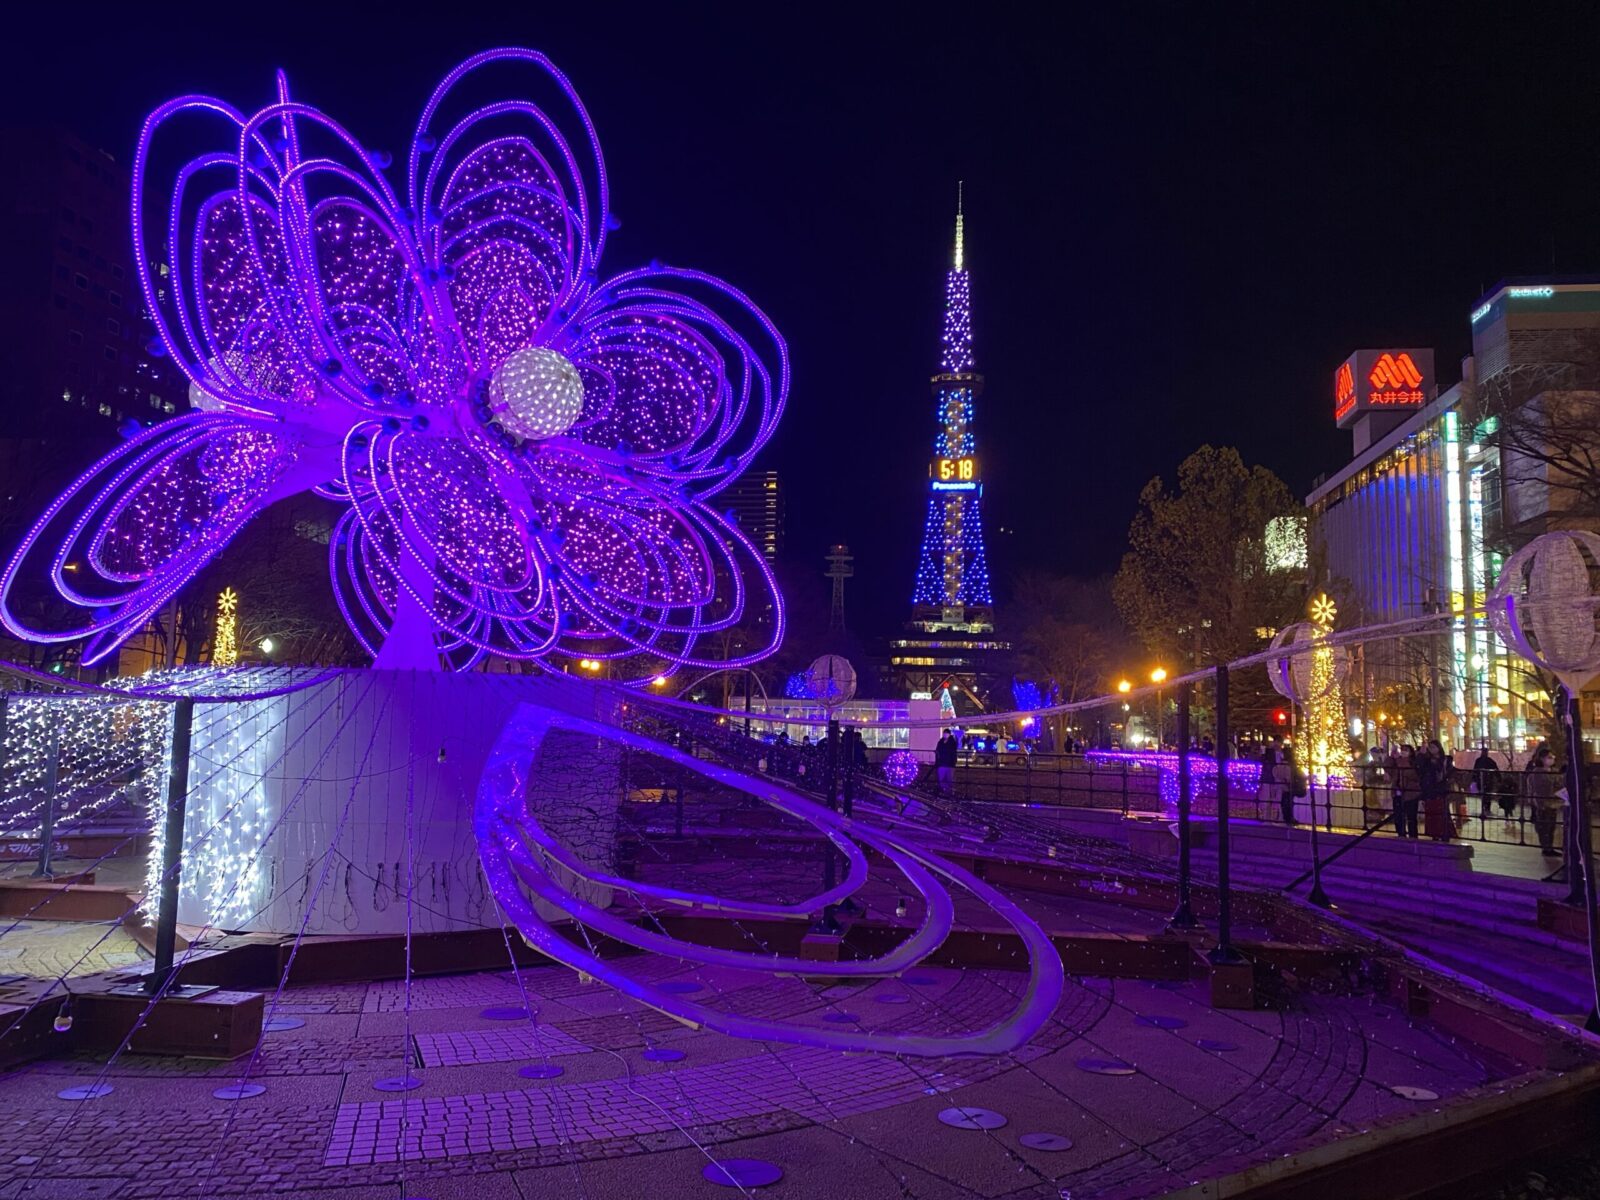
<point x="531" y="459"/>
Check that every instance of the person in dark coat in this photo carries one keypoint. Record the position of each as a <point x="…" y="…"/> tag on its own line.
<point x="1486" y="776"/>
<point x="1543" y="783"/>
<point x="944" y="761"/>
<point x="1433" y="787"/>
<point x="1403" y="777"/>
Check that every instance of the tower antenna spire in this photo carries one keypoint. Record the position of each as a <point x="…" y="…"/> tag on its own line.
<point x="960" y="185"/>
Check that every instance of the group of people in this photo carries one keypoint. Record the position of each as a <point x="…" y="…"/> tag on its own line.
<point x="1420" y="779"/>
<point x="1424" y="788"/>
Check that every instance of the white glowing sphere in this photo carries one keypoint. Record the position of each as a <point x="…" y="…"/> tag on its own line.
<point x="536" y="393"/>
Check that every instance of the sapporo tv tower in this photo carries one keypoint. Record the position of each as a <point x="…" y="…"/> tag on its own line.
<point x="952" y="616"/>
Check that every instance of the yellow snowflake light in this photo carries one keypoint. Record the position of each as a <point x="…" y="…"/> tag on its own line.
<point x="1324" y="610"/>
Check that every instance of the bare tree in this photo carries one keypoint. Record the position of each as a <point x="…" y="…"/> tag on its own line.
<point x="1544" y="418"/>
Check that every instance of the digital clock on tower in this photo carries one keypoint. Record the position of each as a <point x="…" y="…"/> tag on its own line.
<point x="947" y="470"/>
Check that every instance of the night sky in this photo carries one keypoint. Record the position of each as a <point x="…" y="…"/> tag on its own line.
<point x="1181" y="218"/>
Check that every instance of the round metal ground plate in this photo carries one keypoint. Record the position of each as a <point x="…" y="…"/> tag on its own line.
<point x="89" y="1091"/>
<point x="742" y="1172"/>
<point x="1106" y="1066"/>
<point x="1406" y="1092"/>
<point x="1159" y="1022"/>
<point x="238" y="1091"/>
<point x="972" y="1118"/>
<point x="505" y="1013"/>
<point x="1052" y="1142"/>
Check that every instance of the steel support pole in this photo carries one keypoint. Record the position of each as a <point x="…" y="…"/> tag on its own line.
<point x="52" y="781"/>
<point x="1224" y="951"/>
<point x="1183" y="915"/>
<point x="829" y="922"/>
<point x="1317" y="896"/>
<point x="1581" y="866"/>
<point x="172" y="847"/>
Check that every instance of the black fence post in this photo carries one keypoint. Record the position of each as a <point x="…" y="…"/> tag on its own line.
<point x="47" y="827"/>
<point x="1317" y="896"/>
<point x="172" y="847"/>
<point x="1224" y="951"/>
<point x="829" y="922"/>
<point x="1183" y="915"/>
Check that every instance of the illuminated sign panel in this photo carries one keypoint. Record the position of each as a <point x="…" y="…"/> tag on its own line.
<point x="1381" y="381"/>
<point x="948" y="469"/>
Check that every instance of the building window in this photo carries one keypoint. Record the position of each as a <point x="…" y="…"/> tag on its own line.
<point x="68" y="215"/>
<point x="113" y="326"/>
<point x="116" y="270"/>
<point x="115" y="298"/>
<point x="105" y="410"/>
<point x="74" y="337"/>
<point x="111" y="353"/>
<point x="82" y="281"/>
<point x="60" y="301"/>
<point x="64" y="242"/>
<point x="168" y="406"/>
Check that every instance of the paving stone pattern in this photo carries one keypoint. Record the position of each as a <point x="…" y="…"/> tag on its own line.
<point x="320" y="1125"/>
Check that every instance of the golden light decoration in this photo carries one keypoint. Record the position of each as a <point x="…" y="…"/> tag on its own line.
<point x="1324" y="611"/>
<point x="225" y="647"/>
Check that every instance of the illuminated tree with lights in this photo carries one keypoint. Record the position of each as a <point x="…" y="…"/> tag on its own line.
<point x="1326" y="738"/>
<point x="225" y="644"/>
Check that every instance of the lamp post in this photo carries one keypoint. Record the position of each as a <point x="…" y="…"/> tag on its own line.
<point x="1158" y="677"/>
<point x="1544" y="607"/>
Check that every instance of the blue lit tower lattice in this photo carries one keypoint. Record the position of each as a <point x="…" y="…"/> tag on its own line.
<point x="952" y="591"/>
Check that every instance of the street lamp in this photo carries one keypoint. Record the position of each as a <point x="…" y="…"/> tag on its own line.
<point x="1124" y="686"/>
<point x="1158" y="677"/>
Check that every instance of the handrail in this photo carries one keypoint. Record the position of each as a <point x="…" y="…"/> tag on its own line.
<point x="1332" y="858"/>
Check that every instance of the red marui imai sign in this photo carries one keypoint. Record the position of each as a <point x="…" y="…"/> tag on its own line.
<point x="1381" y="381"/>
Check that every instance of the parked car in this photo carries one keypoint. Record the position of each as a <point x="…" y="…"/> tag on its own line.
<point x="982" y="747"/>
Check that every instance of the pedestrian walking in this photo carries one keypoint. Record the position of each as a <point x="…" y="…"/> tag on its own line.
<point x="1545" y="798"/>
<point x="1291" y="781"/>
<point x="1486" y="779"/>
<point x="1433" y="788"/>
<point x="944" y="762"/>
<point x="1403" y="776"/>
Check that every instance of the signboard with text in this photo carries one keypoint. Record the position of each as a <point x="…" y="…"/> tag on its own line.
<point x="1382" y="381"/>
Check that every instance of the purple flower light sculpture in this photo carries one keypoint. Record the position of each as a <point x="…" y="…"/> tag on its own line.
<point x="530" y="453"/>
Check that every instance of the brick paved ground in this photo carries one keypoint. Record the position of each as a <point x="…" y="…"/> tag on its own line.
<point x="52" y="949"/>
<point x="616" y="1124"/>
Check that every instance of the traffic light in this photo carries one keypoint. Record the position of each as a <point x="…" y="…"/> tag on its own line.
<point x="1280" y="716"/>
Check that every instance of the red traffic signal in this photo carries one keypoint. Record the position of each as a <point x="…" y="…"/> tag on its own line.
<point x="1280" y="716"/>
